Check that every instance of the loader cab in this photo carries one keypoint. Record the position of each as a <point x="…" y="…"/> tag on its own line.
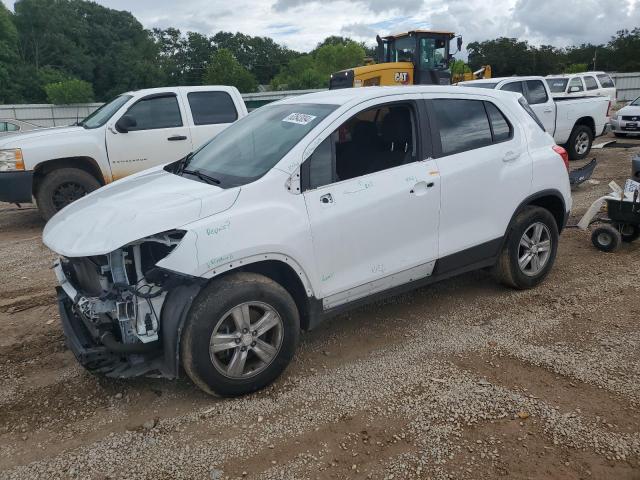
<point x="428" y="51"/>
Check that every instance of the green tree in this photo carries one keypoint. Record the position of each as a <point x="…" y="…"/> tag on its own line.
<point x="69" y="91"/>
<point x="624" y="51"/>
<point x="313" y="70"/>
<point x="9" y="90"/>
<point x="224" y="69"/>
<point x="576" y="68"/>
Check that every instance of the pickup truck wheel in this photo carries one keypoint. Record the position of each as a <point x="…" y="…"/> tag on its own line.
<point x="61" y="187"/>
<point x="240" y="334"/>
<point x="580" y="142"/>
<point x="530" y="249"/>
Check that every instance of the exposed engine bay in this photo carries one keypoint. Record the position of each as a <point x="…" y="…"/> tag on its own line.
<point x="114" y="302"/>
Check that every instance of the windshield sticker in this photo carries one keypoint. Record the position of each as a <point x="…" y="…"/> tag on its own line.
<point x="299" y="118"/>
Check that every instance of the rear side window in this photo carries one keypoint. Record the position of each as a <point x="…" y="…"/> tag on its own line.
<point x="156" y="112"/>
<point x="557" y="85"/>
<point x="3" y="126"/>
<point x="591" y="83"/>
<point x="11" y="127"/>
<point x="523" y="103"/>
<point x="513" y="87"/>
<point x="500" y="126"/>
<point x="536" y="93"/>
<point x="209" y="108"/>
<point x="462" y="125"/>
<point x="605" y="81"/>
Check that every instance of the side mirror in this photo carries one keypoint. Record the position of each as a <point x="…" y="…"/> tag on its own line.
<point x="125" y="124"/>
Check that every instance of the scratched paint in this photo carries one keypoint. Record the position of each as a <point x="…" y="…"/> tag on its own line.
<point x="327" y="277"/>
<point x="219" y="260"/>
<point x="361" y="187"/>
<point x="410" y="179"/>
<point x="211" y="231"/>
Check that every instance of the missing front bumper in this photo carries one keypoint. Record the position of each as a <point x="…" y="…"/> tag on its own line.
<point x="97" y="358"/>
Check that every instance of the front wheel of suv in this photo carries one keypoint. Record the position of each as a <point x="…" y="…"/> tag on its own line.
<point x="530" y="249"/>
<point x="240" y="334"/>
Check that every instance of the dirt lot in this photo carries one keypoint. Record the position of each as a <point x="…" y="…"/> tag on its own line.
<point x="465" y="379"/>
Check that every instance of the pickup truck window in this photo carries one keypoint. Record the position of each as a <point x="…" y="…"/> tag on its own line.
<point x="250" y="147"/>
<point x="513" y="87"/>
<point x="536" y="93"/>
<point x="557" y="85"/>
<point x="374" y="140"/>
<point x="462" y="124"/>
<point x="576" y="82"/>
<point x="105" y="112"/>
<point x="156" y="112"/>
<point x="210" y="108"/>
<point x="590" y="82"/>
<point x="605" y="81"/>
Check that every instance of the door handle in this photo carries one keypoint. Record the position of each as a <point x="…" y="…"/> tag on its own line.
<point x="176" y="138"/>
<point x="326" y="198"/>
<point x="510" y="156"/>
<point x="421" y="188"/>
<point x="548" y="110"/>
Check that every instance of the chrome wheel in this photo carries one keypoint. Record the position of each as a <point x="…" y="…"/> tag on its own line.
<point x="246" y="340"/>
<point x="534" y="249"/>
<point x="582" y="143"/>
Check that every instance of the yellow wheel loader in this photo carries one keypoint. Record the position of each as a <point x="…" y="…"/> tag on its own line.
<point x="418" y="57"/>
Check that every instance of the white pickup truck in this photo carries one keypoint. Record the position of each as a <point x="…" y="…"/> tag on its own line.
<point x="133" y="132"/>
<point x="573" y="122"/>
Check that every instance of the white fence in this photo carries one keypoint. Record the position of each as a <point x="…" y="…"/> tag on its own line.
<point x="627" y="84"/>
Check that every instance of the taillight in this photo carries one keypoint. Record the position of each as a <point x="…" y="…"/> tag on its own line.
<point x="563" y="153"/>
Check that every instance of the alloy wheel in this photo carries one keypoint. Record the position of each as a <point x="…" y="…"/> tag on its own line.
<point x="534" y="249"/>
<point x="246" y="340"/>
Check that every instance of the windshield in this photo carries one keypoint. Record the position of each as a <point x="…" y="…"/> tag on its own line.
<point x="432" y="54"/>
<point x="250" y="147"/>
<point x="557" y="85"/>
<point x="480" y="84"/>
<point x="105" y="112"/>
<point x="402" y="49"/>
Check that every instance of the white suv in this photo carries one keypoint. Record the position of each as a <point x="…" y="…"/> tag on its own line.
<point x="303" y="209"/>
<point x="582" y="84"/>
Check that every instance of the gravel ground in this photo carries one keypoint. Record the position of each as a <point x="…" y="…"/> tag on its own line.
<point x="464" y="379"/>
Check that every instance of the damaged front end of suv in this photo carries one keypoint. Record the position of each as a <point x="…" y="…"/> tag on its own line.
<point x="121" y="313"/>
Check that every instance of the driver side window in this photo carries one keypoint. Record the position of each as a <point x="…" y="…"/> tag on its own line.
<point x="156" y="112"/>
<point x="376" y="139"/>
<point x="576" y="82"/>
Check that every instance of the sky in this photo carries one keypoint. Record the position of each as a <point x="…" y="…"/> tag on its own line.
<point x="301" y="24"/>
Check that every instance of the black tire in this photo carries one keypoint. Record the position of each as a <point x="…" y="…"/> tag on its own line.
<point x="620" y="135"/>
<point x="629" y="232"/>
<point x="211" y="306"/>
<point x="606" y="238"/>
<point x="579" y="134"/>
<point x="507" y="270"/>
<point x="61" y="187"/>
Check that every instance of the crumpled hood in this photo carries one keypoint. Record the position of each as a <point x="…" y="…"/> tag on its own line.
<point x="21" y="138"/>
<point x="151" y="202"/>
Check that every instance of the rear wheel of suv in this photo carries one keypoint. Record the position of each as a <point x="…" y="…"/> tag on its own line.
<point x="61" y="187"/>
<point x="580" y="141"/>
<point x="530" y="249"/>
<point x="240" y="334"/>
